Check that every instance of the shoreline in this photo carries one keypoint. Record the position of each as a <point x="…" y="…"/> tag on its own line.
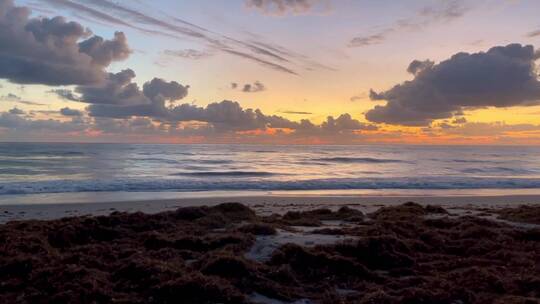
<point x="262" y="204"/>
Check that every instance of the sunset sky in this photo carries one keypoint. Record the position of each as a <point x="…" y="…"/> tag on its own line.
<point x="270" y="71"/>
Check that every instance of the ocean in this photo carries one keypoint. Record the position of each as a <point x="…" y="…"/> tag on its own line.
<point x="55" y="168"/>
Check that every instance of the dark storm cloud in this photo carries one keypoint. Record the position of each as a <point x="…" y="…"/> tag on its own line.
<point x="47" y="50"/>
<point x="444" y="12"/>
<point x="282" y="7"/>
<point x="70" y="112"/>
<point x="504" y="76"/>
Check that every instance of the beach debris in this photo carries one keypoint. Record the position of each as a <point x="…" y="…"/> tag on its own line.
<point x="228" y="254"/>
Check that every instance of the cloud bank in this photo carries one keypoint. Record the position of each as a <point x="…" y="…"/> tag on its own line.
<point x="504" y="76"/>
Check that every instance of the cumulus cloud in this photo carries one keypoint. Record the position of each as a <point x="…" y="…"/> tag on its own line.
<point x="139" y="126"/>
<point x="53" y="51"/>
<point x="225" y="121"/>
<point x="417" y="66"/>
<point x="47" y="50"/>
<point x="70" y="112"/>
<point x="504" y="76"/>
<point x="119" y="97"/>
<point x="224" y="116"/>
<point x="342" y="125"/>
<point x="283" y="7"/>
<point x="159" y="88"/>
<point x="103" y="52"/>
<point x="118" y="88"/>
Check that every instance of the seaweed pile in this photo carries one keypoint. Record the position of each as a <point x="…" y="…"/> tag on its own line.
<point x="523" y="214"/>
<point x="400" y="254"/>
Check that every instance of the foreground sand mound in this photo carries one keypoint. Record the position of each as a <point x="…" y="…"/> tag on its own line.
<point x="400" y="254"/>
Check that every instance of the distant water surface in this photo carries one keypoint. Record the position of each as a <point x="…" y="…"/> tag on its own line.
<point x="27" y="168"/>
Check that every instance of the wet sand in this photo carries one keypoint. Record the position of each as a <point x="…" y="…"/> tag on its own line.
<point x="286" y="251"/>
<point x="264" y="204"/>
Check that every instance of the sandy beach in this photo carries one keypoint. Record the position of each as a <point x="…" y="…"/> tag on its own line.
<point x="262" y="204"/>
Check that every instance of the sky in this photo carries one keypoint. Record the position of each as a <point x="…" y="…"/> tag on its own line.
<point x="270" y="71"/>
